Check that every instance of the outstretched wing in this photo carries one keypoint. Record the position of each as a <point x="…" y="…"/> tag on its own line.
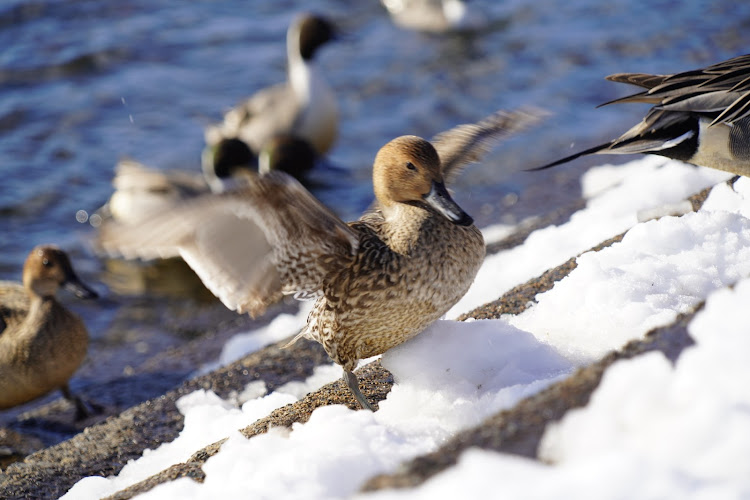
<point x="468" y="143"/>
<point x="248" y="246"/>
<point x="132" y="175"/>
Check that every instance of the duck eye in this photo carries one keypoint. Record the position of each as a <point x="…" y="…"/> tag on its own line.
<point x="46" y="262"/>
<point x="411" y="166"/>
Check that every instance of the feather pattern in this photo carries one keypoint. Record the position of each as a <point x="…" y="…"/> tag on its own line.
<point x="236" y="241"/>
<point x="700" y="116"/>
<point x="468" y="143"/>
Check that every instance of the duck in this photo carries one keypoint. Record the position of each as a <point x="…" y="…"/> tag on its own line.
<point x="700" y="117"/>
<point x="304" y="106"/>
<point x="140" y="190"/>
<point x="377" y="281"/>
<point x="432" y="16"/>
<point x="42" y="344"/>
<point x="289" y="154"/>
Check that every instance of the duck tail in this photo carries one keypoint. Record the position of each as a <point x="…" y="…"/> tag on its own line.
<point x="301" y="335"/>
<point x="572" y="157"/>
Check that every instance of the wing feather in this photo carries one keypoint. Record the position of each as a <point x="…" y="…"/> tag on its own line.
<point x="248" y="246"/>
<point x="469" y="142"/>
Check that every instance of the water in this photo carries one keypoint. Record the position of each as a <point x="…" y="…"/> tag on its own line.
<point x="85" y="83"/>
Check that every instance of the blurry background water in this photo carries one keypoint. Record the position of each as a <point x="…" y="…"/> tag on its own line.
<point x="84" y="83"/>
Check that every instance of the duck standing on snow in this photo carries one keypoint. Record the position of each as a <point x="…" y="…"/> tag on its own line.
<point x="378" y="281"/>
<point x="304" y="106"/>
<point x="42" y="344"/>
<point x="700" y="117"/>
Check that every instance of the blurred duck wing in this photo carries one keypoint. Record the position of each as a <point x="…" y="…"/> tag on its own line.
<point x="248" y="246"/>
<point x="469" y="142"/>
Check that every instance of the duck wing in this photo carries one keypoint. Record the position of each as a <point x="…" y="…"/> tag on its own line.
<point x="132" y="175"/>
<point x="469" y="142"/>
<point x="14" y="304"/>
<point x="248" y="246"/>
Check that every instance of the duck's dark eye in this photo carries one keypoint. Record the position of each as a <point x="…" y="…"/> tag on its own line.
<point x="411" y="166"/>
<point x="46" y="262"/>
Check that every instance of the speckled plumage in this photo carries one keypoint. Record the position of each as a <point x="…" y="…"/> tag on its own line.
<point x="700" y="117"/>
<point x="42" y="344"/>
<point x="404" y="276"/>
<point x="378" y="281"/>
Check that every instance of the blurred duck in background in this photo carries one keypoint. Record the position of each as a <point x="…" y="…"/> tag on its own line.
<point x="700" y="117"/>
<point x="42" y="344"/>
<point x="141" y="191"/>
<point x="288" y="154"/>
<point x="433" y="16"/>
<point x="304" y="106"/>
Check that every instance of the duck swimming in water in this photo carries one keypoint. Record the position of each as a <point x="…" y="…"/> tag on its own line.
<point x="42" y="344"/>
<point x="377" y="281"/>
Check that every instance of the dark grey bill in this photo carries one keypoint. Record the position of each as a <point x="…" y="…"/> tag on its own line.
<point x="79" y="289"/>
<point x="439" y="199"/>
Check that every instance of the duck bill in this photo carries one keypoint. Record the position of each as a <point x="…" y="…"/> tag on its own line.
<point x="79" y="289"/>
<point x="439" y="199"/>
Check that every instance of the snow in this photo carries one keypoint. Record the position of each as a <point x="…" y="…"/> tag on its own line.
<point x="281" y="327"/>
<point x="615" y="196"/>
<point x="660" y="269"/>
<point x="651" y="430"/>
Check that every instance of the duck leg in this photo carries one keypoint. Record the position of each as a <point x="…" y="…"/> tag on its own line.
<point x="351" y="380"/>
<point x="82" y="411"/>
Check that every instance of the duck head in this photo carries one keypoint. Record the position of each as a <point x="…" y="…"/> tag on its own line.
<point x="309" y="32"/>
<point x="289" y="154"/>
<point x="227" y="159"/>
<point x="48" y="268"/>
<point x="407" y="170"/>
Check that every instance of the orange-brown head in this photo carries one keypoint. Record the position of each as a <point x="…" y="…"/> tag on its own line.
<point x="47" y="268"/>
<point x="407" y="170"/>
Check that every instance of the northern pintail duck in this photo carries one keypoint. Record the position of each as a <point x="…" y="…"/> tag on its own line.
<point x="377" y="281"/>
<point x="288" y="154"/>
<point x="304" y="106"/>
<point x="42" y="344"/>
<point x="700" y="117"/>
<point x="431" y="16"/>
<point x="140" y="190"/>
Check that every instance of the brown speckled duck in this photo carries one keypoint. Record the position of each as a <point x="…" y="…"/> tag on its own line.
<point x="42" y="344"/>
<point x="378" y="281"/>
